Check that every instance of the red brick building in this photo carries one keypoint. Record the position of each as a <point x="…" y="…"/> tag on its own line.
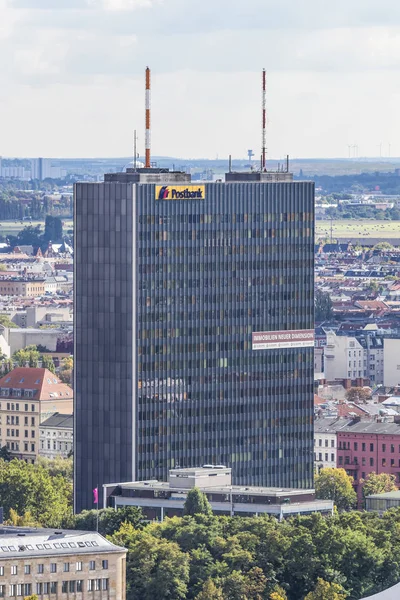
<point x="364" y="447"/>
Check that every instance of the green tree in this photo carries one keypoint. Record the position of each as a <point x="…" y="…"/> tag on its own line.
<point x="8" y="366"/>
<point x="27" y="356"/>
<point x="156" y="568"/>
<point x="327" y="591"/>
<point x="110" y="520"/>
<point x="25" y="520"/>
<point x="278" y="594"/>
<point x="33" y="597"/>
<point x="378" y="483"/>
<point x="336" y="485"/>
<point x="358" y="394"/>
<point x="26" y="487"/>
<point x="5" y="454"/>
<point x="210" y="592"/>
<point x="383" y="246"/>
<point x="66" y="370"/>
<point x="196" y="503"/>
<point x="57" y="466"/>
<point x="53" y="229"/>
<point x="48" y="363"/>
<point x="6" y="321"/>
<point x="323" y="306"/>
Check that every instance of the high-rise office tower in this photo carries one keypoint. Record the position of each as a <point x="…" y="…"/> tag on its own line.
<point x="193" y="328"/>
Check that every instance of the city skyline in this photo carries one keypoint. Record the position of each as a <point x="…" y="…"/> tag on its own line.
<point x="80" y="63"/>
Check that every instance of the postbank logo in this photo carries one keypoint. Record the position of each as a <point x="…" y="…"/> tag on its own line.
<point x="180" y="192"/>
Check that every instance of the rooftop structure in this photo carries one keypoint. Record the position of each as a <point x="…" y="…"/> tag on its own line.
<point x="159" y="499"/>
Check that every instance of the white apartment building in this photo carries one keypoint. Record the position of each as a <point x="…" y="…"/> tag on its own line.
<point x="350" y="357"/>
<point x="56" y="436"/>
<point x="391" y="362"/>
<point x="325" y="442"/>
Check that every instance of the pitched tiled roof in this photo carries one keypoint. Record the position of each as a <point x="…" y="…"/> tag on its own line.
<point x="47" y="385"/>
<point x="59" y="420"/>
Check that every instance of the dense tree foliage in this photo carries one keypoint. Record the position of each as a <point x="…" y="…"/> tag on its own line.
<point x="349" y="555"/>
<point x="48" y="363"/>
<point x="57" y="466"/>
<point x="323" y="306"/>
<point x="66" y="370"/>
<point x="196" y="503"/>
<point x="53" y="229"/>
<point x="358" y="394"/>
<point x="30" y="488"/>
<point x="327" y="591"/>
<point x="27" y="357"/>
<point x="379" y="483"/>
<point x="336" y="485"/>
<point x="109" y="520"/>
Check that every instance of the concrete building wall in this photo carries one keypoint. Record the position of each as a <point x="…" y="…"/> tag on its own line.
<point x="79" y="569"/>
<point x="20" y="338"/>
<point x="391" y="362"/>
<point x="343" y="358"/>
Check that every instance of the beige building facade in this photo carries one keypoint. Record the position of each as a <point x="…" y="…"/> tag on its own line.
<point x="29" y="396"/>
<point x="26" y="288"/>
<point x="60" y="564"/>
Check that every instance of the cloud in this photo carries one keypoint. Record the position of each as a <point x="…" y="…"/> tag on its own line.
<point x="80" y="64"/>
<point x="124" y="5"/>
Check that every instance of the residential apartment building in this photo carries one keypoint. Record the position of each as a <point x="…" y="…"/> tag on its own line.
<point x="56" y="436"/>
<point x="60" y="564"/>
<point x="22" y="286"/>
<point x="29" y="396"/>
<point x="325" y="444"/>
<point x="194" y="328"/>
<point x="354" y="357"/>
<point x="364" y="447"/>
<point x="391" y="362"/>
<point x="159" y="499"/>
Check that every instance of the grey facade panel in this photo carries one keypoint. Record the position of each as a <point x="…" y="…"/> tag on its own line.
<point x="198" y="278"/>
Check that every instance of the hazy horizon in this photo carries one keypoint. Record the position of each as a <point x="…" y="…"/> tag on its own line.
<point x="72" y="77"/>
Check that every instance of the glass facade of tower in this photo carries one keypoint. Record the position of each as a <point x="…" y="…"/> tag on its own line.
<point x="166" y="305"/>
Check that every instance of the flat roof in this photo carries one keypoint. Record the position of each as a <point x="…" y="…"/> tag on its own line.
<point x="386" y="496"/>
<point x="24" y="542"/>
<point x="223" y="489"/>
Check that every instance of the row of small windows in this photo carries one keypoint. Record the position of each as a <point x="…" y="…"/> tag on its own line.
<point x="12" y="406"/>
<point x="326" y="443"/>
<point x="211" y="330"/>
<point x="282" y="217"/>
<point x="326" y="457"/>
<point x="223" y="239"/>
<point x="184" y="252"/>
<point x="51" y="587"/>
<point x="47" y="546"/>
<point x="18" y="392"/>
<point x="343" y="445"/>
<point x="384" y="462"/>
<point x="15" y="446"/>
<point x="15" y="433"/>
<point x="14" y="420"/>
<point x="62" y="446"/>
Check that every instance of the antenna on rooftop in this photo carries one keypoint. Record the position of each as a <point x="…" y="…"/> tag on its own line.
<point x="134" y="149"/>
<point x="264" y="120"/>
<point x="147" y="135"/>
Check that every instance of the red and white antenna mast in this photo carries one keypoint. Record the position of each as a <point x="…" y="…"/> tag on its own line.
<point x="264" y="121"/>
<point x="147" y="134"/>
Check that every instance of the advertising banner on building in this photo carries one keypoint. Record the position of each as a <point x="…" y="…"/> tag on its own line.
<point x="271" y="340"/>
<point x="180" y="192"/>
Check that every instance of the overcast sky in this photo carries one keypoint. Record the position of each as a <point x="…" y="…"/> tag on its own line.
<point x="72" y="76"/>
